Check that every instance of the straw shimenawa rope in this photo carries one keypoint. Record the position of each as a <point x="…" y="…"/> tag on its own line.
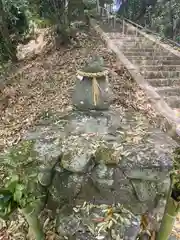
<point x="95" y="85"/>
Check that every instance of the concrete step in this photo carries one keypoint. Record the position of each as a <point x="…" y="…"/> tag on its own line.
<point x="126" y="39"/>
<point x="118" y="35"/>
<point x="173" y="101"/>
<point x="117" y="27"/>
<point x="160" y="74"/>
<point x="156" y="62"/>
<point x="159" y="58"/>
<point x="128" y="42"/>
<point x="110" y="27"/>
<point x="145" y="44"/>
<point x="143" y="53"/>
<point x="147" y="49"/>
<point x="160" y="67"/>
<point x="168" y="91"/>
<point x="137" y="45"/>
<point x="164" y="82"/>
<point x="127" y="46"/>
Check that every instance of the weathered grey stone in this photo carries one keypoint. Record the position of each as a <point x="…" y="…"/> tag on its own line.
<point x="83" y="94"/>
<point x="148" y="182"/>
<point x="82" y="223"/>
<point x="83" y="97"/>
<point x="67" y="225"/>
<point x="132" y="231"/>
<point x="65" y="186"/>
<point x="144" y="190"/>
<point x="102" y="176"/>
<point x="45" y="177"/>
<point x="108" y="153"/>
<point x="77" y="154"/>
<point x="132" y="168"/>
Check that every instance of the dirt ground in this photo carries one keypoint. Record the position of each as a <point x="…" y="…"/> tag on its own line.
<point x="43" y="82"/>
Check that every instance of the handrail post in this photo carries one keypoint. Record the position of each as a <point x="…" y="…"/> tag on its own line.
<point x="110" y="8"/>
<point x="114" y="21"/>
<point x="123" y="27"/>
<point x="98" y="7"/>
<point x="136" y="32"/>
<point x="108" y="17"/>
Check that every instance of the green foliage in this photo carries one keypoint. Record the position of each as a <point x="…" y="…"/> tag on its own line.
<point x="162" y="16"/>
<point x="90" y="4"/>
<point x="21" y="17"/>
<point x="7" y="203"/>
<point x="13" y="25"/>
<point x="16" y="15"/>
<point x="176" y="173"/>
<point x="20" y="188"/>
<point x="176" y="159"/>
<point x="20" y="178"/>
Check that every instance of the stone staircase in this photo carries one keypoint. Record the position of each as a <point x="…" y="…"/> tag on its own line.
<point x="154" y="65"/>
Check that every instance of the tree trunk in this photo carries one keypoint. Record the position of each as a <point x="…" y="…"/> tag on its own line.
<point x="4" y="33"/>
<point x="171" y="18"/>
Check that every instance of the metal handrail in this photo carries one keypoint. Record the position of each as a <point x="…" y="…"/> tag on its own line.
<point x="139" y="26"/>
<point x="165" y="40"/>
<point x="152" y="32"/>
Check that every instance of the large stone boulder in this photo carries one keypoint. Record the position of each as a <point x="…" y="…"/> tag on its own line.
<point x="77" y="154"/>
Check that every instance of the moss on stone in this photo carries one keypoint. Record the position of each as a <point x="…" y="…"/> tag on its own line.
<point x="107" y="155"/>
<point x="21" y="161"/>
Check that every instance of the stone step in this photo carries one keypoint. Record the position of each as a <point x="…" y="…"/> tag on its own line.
<point x="161" y="74"/>
<point x="118" y="35"/>
<point x="136" y="49"/>
<point x="127" y="39"/>
<point x="127" y="46"/>
<point x="163" y="82"/>
<point x="144" y="53"/>
<point x="173" y="101"/>
<point x="156" y="62"/>
<point x="118" y="27"/>
<point x="160" y="67"/>
<point x="168" y="91"/>
<point x="139" y="45"/>
<point x="110" y="27"/>
<point x="159" y="58"/>
<point x="114" y="36"/>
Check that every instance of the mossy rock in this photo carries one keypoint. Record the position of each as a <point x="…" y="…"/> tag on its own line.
<point x="77" y="154"/>
<point x="107" y="154"/>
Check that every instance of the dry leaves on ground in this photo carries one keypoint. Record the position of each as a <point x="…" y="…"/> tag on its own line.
<point x="46" y="83"/>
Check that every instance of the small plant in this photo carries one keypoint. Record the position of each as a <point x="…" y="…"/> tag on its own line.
<point x="19" y="190"/>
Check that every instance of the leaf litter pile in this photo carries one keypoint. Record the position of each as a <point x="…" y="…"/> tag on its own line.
<point x="45" y="83"/>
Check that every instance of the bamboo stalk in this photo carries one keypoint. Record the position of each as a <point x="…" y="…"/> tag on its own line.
<point x="171" y="210"/>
